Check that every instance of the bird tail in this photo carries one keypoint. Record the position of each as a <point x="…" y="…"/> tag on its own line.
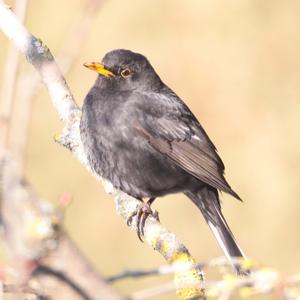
<point x="207" y="200"/>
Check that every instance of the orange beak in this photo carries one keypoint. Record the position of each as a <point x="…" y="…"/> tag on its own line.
<point x="99" y="68"/>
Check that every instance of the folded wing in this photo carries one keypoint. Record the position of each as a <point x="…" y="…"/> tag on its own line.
<point x="176" y="133"/>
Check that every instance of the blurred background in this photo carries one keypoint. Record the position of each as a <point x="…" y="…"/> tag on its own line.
<point x="237" y="66"/>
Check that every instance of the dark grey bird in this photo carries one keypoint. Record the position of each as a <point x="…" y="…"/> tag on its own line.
<point x="138" y="134"/>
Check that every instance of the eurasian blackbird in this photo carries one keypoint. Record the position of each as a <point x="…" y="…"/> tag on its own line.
<point x="138" y="134"/>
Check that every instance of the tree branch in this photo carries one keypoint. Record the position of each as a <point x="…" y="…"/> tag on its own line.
<point x="67" y="265"/>
<point x="28" y="84"/>
<point x="162" y="240"/>
<point x="36" y="242"/>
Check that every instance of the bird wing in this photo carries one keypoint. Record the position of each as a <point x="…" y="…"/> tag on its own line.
<point x="172" y="129"/>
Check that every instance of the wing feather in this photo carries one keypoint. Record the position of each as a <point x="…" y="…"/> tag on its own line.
<point x="178" y="135"/>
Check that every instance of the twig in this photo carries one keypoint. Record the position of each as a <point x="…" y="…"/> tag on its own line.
<point x="162" y="240"/>
<point x="221" y="263"/>
<point x="67" y="264"/>
<point x="23" y="289"/>
<point x="133" y="274"/>
<point x="61" y="276"/>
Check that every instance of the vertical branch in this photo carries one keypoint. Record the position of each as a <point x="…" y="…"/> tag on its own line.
<point x="9" y="79"/>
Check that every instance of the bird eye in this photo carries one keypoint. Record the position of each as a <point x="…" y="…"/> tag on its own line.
<point x="125" y="72"/>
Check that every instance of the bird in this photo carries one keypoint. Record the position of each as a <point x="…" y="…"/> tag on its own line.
<point x="141" y="137"/>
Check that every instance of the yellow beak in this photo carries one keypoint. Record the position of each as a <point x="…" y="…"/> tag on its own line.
<point x="99" y="68"/>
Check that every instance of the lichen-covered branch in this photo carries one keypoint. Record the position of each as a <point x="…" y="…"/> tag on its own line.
<point x="261" y="281"/>
<point x="156" y="235"/>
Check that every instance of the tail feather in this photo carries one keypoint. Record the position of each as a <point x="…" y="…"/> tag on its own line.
<point x="207" y="201"/>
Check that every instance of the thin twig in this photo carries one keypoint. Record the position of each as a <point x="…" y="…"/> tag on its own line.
<point x="133" y="274"/>
<point x="61" y="276"/>
<point x="221" y="263"/>
<point x="23" y="289"/>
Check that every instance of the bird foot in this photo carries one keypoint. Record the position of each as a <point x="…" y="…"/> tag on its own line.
<point x="142" y="212"/>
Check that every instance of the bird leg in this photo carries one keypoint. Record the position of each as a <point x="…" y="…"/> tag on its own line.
<point x="143" y="212"/>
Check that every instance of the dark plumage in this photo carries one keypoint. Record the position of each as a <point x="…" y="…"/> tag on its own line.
<point x="139" y="135"/>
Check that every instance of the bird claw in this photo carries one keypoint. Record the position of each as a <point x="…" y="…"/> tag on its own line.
<point x="142" y="212"/>
<point x="129" y="220"/>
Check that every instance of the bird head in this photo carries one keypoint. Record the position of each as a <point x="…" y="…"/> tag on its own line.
<point x="127" y="70"/>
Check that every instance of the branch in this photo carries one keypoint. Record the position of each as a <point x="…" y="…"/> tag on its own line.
<point x="162" y="240"/>
<point x="36" y="242"/>
<point x="261" y="281"/>
<point x="67" y="265"/>
<point x="28" y="85"/>
<point x="29" y="223"/>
